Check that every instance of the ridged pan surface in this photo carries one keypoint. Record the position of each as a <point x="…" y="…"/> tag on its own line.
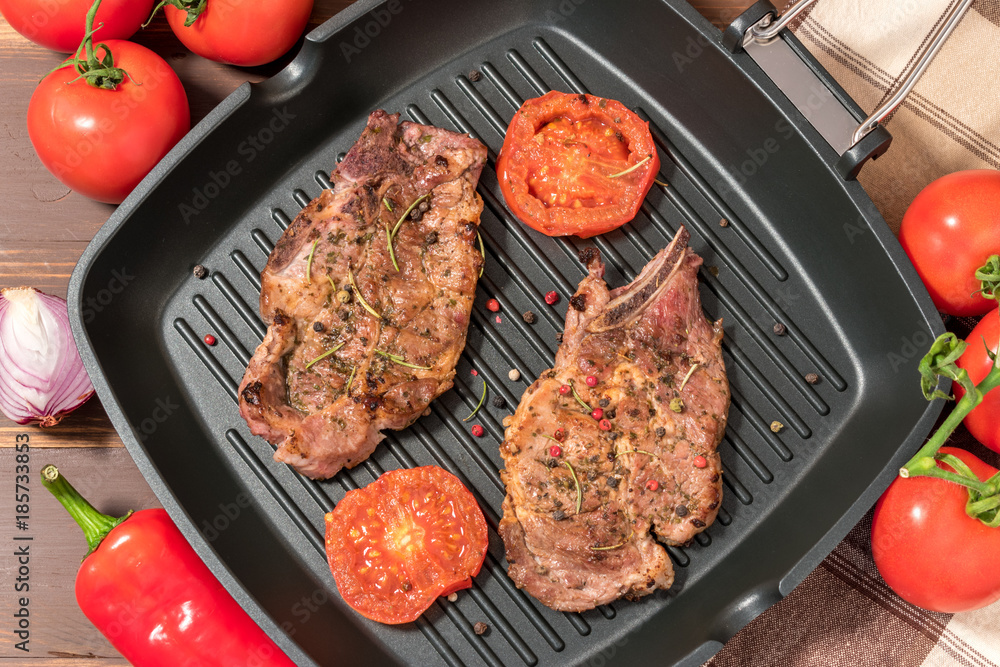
<point x="799" y="247"/>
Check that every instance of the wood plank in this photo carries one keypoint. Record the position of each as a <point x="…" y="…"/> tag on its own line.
<point x="110" y="480"/>
<point x="87" y="426"/>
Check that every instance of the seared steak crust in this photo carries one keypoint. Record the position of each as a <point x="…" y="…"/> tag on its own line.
<point x="330" y="373"/>
<point x="661" y="383"/>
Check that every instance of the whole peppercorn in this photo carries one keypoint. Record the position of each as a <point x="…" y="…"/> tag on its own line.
<point x="209" y="339"/>
<point x="555" y="451"/>
<point x="474" y="76"/>
<point x="812" y="378"/>
<point x="597" y="413"/>
<point x="780" y="329"/>
<point x="591" y="381"/>
<point x="493" y="306"/>
<point x="604" y="425"/>
<point x="478" y="430"/>
<point x="499" y="402"/>
<point x="552" y="298"/>
<point x="200" y="271"/>
<point x="529" y="317"/>
<point x="700" y="461"/>
<point x="318" y="327"/>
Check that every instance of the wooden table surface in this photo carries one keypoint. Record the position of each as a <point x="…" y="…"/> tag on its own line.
<point x="44" y="229"/>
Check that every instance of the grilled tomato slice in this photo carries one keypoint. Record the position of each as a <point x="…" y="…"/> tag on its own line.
<point x="576" y="164"/>
<point x="405" y="539"/>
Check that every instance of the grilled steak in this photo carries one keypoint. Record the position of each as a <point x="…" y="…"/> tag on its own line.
<point x="585" y="498"/>
<point x="354" y="345"/>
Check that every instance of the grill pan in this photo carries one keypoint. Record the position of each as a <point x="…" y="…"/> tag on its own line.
<point x="802" y="247"/>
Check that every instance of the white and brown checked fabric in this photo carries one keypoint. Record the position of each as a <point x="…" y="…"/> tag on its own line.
<point x="843" y="614"/>
<point x="949" y="122"/>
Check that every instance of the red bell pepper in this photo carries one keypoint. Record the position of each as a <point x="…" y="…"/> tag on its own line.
<point x="144" y="587"/>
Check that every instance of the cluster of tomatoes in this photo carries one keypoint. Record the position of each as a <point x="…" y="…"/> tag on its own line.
<point x="103" y="119"/>
<point x="926" y="546"/>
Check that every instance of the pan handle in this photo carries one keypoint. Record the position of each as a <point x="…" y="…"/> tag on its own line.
<point x="759" y="32"/>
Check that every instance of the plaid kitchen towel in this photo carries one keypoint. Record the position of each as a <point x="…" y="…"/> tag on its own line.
<point x="843" y="614"/>
<point x="949" y="122"/>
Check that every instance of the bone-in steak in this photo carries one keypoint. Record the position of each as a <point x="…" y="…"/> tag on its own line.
<point x="354" y="345"/>
<point x="585" y="500"/>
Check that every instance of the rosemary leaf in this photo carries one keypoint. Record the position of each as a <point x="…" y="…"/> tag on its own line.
<point x="324" y="355"/>
<point x="479" y="405"/>
<point x="633" y="167"/>
<point x="361" y="299"/>
<point x="351" y="379"/>
<point x="578" y="399"/>
<point x="579" y="491"/>
<point x="406" y="213"/>
<point x="392" y="253"/>
<point x="309" y="262"/>
<point x="482" y="251"/>
<point x="395" y="358"/>
<point x="688" y="376"/>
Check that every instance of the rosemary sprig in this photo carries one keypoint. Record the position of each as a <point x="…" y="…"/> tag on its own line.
<point x="361" y="299"/>
<point x="659" y="182"/>
<point x="579" y="491"/>
<point x="392" y="253"/>
<point x="351" y="379"/>
<point x="482" y="251"/>
<point x="633" y="167"/>
<point x="399" y="360"/>
<point x="578" y="399"/>
<point x="406" y="213"/>
<point x="478" y="405"/>
<point x="688" y="376"/>
<point x="309" y="262"/>
<point x="637" y="451"/>
<point x="614" y="546"/>
<point x="332" y="284"/>
<point x="324" y="355"/>
<point x="550" y="438"/>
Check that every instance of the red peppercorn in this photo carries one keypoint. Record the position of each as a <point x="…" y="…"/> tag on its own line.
<point x="477" y="430"/>
<point x="559" y="434"/>
<point x="591" y="381"/>
<point x="700" y="462"/>
<point x="652" y="485"/>
<point x="564" y="389"/>
<point x="552" y="298"/>
<point x="604" y="425"/>
<point x="493" y="305"/>
<point x="597" y="413"/>
<point x="555" y="450"/>
<point x="209" y="339"/>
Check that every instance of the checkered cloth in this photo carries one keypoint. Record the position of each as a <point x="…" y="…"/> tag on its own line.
<point x="843" y="614"/>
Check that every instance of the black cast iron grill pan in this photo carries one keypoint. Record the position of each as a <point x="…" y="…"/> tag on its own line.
<point x="801" y="247"/>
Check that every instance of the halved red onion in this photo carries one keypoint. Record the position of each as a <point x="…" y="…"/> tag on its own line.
<point x="41" y="375"/>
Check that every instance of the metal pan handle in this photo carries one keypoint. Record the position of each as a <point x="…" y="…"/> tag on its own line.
<point x="758" y="32"/>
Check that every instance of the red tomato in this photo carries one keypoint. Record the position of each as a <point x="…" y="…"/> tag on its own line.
<point x="929" y="550"/>
<point x="949" y="231"/>
<point x="560" y="168"/>
<point x="99" y="142"/>
<point x="983" y="422"/>
<point x="403" y="540"/>
<point x="242" y="32"/>
<point x="59" y="24"/>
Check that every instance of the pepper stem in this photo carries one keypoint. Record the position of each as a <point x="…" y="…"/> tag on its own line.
<point x="95" y="525"/>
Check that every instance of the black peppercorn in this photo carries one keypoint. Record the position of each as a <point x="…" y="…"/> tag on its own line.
<point x="474" y="76"/>
<point x="681" y="510"/>
<point x="578" y="301"/>
<point x="559" y="515"/>
<point x="480" y="627"/>
<point x="604" y="402"/>
<point x="318" y="327"/>
<point x="660" y="431"/>
<point x="200" y="271"/>
<point x="529" y="317"/>
<point x="499" y="402"/>
<point x="431" y="238"/>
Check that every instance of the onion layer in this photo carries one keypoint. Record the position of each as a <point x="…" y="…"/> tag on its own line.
<point x="42" y="377"/>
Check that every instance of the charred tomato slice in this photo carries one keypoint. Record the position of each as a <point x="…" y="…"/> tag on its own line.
<point x="576" y="164"/>
<point x="405" y="539"/>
